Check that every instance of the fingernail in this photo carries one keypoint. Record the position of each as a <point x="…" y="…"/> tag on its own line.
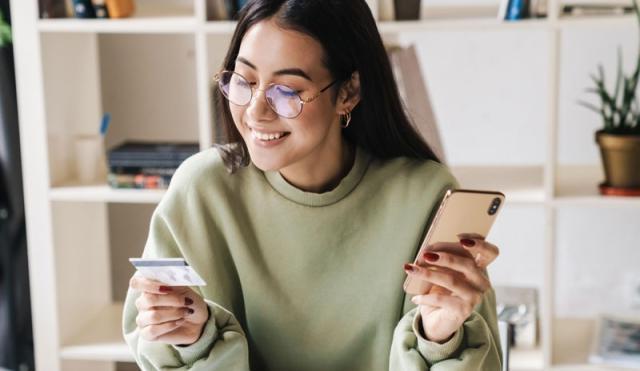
<point x="188" y="301"/>
<point x="414" y="300"/>
<point x="467" y="242"/>
<point x="190" y="310"/>
<point x="409" y="267"/>
<point x="165" y="289"/>
<point x="432" y="257"/>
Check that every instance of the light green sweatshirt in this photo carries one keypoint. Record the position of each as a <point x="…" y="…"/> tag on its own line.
<point x="306" y="281"/>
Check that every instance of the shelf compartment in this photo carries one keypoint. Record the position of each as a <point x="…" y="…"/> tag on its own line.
<point x="102" y="340"/>
<point x="103" y="193"/>
<point x="577" y="185"/>
<point x="152" y="25"/>
<point x="220" y="27"/>
<point x="433" y="18"/>
<point x="149" y="17"/>
<point x="458" y="18"/>
<point x="520" y="184"/>
<point x="567" y="21"/>
<point x="521" y="359"/>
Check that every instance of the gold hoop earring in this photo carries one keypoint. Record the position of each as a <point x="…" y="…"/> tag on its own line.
<point x="347" y="120"/>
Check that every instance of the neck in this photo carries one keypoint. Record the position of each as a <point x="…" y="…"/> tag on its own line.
<point x="321" y="175"/>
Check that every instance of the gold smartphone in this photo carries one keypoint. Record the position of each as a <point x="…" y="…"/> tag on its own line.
<point x="462" y="211"/>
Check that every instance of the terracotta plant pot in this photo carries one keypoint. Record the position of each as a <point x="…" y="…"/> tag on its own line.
<point x="620" y="158"/>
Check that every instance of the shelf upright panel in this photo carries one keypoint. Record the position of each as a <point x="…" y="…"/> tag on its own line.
<point x="35" y="169"/>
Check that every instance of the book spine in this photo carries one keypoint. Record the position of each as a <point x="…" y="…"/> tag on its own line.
<point x="83" y="9"/>
<point x="121" y="170"/>
<point x="231" y="8"/>
<point x="145" y="163"/>
<point x="120" y="8"/>
<point x="138" y="181"/>
<point x="518" y="9"/>
<point x="502" y="10"/>
<point x="52" y="9"/>
<point x="123" y="155"/>
<point x="100" y="8"/>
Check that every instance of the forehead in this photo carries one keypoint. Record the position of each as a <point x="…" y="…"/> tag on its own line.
<point x="270" y="48"/>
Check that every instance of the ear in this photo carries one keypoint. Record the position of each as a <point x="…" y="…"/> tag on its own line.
<point x="349" y="94"/>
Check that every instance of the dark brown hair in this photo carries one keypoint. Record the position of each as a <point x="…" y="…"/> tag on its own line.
<point x="349" y="36"/>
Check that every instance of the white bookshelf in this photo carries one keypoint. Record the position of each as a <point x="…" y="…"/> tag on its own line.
<point x="76" y="317"/>
<point x="104" y="193"/>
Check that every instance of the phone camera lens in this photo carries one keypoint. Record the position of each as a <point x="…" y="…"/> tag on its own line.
<point x="493" y="208"/>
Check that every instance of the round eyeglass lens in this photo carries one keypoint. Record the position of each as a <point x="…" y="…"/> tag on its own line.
<point x="284" y="101"/>
<point x="235" y="88"/>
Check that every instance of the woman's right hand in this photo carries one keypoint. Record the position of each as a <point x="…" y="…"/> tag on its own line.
<point x="169" y="314"/>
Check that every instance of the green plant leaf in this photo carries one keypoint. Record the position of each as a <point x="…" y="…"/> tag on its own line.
<point x="601" y="72"/>
<point x="5" y="31"/>
<point x="617" y="89"/>
<point x="590" y="106"/>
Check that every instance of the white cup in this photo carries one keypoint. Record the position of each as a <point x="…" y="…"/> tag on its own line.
<point x="91" y="167"/>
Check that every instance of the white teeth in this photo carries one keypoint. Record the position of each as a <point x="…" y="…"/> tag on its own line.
<point x="265" y="136"/>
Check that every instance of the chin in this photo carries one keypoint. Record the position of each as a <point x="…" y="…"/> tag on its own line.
<point x="266" y="163"/>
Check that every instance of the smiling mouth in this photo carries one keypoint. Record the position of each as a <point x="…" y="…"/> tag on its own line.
<point x="267" y="137"/>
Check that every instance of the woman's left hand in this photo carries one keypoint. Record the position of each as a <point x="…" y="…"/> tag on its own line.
<point x="460" y="285"/>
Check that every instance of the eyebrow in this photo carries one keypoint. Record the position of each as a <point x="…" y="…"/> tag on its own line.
<point x="286" y="71"/>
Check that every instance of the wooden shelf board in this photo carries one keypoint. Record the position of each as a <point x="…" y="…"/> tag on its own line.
<point x="453" y="24"/>
<point x="568" y="21"/>
<point x="577" y="185"/>
<point x="102" y="340"/>
<point x="103" y="193"/>
<point x="520" y="184"/>
<point x="170" y="24"/>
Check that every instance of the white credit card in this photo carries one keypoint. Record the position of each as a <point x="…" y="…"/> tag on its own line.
<point x="169" y="271"/>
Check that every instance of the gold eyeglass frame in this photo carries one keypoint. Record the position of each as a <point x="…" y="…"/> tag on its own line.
<point x="217" y="77"/>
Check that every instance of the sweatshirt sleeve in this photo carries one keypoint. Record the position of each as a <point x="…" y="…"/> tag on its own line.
<point x="174" y="233"/>
<point x="475" y="346"/>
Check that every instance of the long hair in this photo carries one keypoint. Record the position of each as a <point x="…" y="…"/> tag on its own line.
<point x="349" y="36"/>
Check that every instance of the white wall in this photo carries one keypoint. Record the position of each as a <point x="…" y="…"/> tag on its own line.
<point x="490" y="95"/>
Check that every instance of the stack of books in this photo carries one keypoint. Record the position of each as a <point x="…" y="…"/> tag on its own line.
<point x="146" y="165"/>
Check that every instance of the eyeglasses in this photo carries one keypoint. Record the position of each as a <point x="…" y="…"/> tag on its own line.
<point x="283" y="100"/>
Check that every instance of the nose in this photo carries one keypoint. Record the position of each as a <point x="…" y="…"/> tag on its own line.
<point x="258" y="107"/>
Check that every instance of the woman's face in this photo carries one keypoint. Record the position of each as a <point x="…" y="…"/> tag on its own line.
<point x="269" y="54"/>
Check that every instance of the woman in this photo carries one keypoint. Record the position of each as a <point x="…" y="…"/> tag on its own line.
<point x="302" y="224"/>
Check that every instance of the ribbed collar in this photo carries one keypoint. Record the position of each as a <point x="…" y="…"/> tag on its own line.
<point x="346" y="185"/>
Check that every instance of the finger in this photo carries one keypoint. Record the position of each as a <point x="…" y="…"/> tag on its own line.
<point x="473" y="236"/>
<point x="457" y="263"/>
<point x="450" y="280"/>
<point x="451" y="303"/>
<point x="142" y="284"/>
<point x="483" y="251"/>
<point x="161" y="315"/>
<point x="147" y="301"/>
<point x="153" y="332"/>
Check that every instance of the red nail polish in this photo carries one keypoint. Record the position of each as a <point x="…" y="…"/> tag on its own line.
<point x="467" y="242"/>
<point x="190" y="310"/>
<point x="409" y="268"/>
<point x="188" y="301"/>
<point x="165" y="289"/>
<point x="432" y="257"/>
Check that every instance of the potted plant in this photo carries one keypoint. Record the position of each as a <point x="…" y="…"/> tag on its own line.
<point x="5" y="31"/>
<point x="619" y="139"/>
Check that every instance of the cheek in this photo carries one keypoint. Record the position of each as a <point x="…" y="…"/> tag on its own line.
<point x="237" y="113"/>
<point x="317" y="118"/>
